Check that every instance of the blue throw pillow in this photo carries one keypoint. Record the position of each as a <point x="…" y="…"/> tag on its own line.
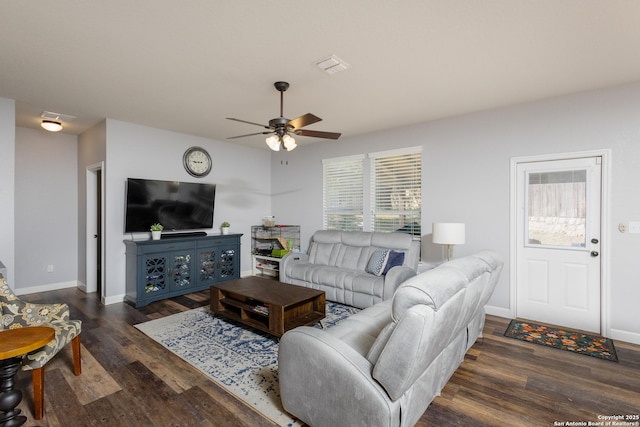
<point x="378" y="262"/>
<point x="395" y="258"/>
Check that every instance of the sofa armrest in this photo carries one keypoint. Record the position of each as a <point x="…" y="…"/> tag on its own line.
<point x="325" y="382"/>
<point x="395" y="276"/>
<point x="287" y="261"/>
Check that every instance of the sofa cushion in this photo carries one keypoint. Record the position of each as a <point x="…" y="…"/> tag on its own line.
<point x="396" y="258"/>
<point x="352" y="287"/>
<point x="361" y="330"/>
<point x="378" y="262"/>
<point x="431" y="288"/>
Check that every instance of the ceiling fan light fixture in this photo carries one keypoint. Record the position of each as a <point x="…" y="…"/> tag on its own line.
<point x="289" y="142"/>
<point x="51" y="125"/>
<point x="273" y="142"/>
<point x="281" y="128"/>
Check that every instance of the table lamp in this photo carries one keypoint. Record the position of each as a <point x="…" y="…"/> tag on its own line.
<point x="449" y="234"/>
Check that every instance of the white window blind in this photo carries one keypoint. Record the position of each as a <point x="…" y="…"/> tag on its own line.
<point x="343" y="193"/>
<point x="396" y="192"/>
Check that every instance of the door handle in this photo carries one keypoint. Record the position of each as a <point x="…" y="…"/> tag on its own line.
<point x="594" y="254"/>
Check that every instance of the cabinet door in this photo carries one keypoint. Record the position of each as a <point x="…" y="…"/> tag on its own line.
<point x="206" y="265"/>
<point x="154" y="275"/>
<point x="229" y="263"/>
<point x="216" y="263"/>
<point x="180" y="272"/>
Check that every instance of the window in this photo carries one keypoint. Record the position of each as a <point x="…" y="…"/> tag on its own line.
<point x="557" y="206"/>
<point x="393" y="180"/>
<point x="343" y="193"/>
<point x="396" y="192"/>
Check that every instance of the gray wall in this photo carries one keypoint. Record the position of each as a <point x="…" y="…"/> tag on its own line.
<point x="466" y="162"/>
<point x="241" y="174"/>
<point x="7" y="189"/>
<point x="46" y="205"/>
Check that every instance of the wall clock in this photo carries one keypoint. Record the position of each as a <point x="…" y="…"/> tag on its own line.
<point x="197" y="162"/>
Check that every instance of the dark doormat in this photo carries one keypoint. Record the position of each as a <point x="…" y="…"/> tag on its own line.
<point x="563" y="339"/>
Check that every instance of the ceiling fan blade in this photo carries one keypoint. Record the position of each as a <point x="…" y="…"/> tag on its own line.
<point x="302" y="121"/>
<point x="251" y="123"/>
<point x="318" y="134"/>
<point x="249" y="134"/>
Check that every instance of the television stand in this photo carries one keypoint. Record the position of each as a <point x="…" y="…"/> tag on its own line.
<point x="183" y="234"/>
<point x="159" y="269"/>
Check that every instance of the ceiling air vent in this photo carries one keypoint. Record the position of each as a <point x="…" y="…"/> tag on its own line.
<point x="332" y="64"/>
<point x="57" y="116"/>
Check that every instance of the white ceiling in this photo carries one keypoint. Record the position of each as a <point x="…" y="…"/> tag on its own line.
<point x="186" y="65"/>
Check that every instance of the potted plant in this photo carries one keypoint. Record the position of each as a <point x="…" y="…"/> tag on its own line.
<point x="225" y="227"/>
<point x="156" y="231"/>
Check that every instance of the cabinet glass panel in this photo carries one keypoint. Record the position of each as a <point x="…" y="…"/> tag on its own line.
<point x="155" y="274"/>
<point x="207" y="265"/>
<point x="227" y="263"/>
<point x="181" y="270"/>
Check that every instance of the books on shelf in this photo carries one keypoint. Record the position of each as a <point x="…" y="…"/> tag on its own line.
<point x="262" y="309"/>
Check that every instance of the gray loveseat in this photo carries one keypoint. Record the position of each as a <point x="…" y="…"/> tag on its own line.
<point x="346" y="265"/>
<point x="384" y="365"/>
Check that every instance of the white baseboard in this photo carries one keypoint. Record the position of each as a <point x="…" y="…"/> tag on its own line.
<point x="626" y="336"/>
<point x="47" y="287"/>
<point x="82" y="286"/>
<point x="113" y="299"/>
<point x="498" y="311"/>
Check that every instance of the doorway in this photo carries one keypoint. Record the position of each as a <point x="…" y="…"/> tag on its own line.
<point x="94" y="227"/>
<point x="557" y="235"/>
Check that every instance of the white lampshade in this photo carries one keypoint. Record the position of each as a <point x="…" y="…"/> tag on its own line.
<point x="273" y="142"/>
<point x="448" y="233"/>
<point x="51" y="126"/>
<point x="289" y="142"/>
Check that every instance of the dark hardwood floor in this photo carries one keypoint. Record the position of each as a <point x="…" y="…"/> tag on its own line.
<point x="129" y="380"/>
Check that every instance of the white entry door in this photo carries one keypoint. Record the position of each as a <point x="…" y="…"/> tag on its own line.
<point x="558" y="242"/>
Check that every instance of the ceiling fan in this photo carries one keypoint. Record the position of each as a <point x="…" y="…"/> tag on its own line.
<point x="281" y="128"/>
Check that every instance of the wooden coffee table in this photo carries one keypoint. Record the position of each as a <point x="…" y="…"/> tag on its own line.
<point x="268" y="305"/>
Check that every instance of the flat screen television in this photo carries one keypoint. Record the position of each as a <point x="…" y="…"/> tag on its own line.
<point x="176" y="205"/>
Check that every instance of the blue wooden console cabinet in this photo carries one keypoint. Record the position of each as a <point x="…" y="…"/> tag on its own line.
<point x="159" y="269"/>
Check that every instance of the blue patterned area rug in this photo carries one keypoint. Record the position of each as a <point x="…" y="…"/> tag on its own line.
<point x="243" y="361"/>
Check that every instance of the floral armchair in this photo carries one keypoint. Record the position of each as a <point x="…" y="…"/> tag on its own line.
<point x="18" y="314"/>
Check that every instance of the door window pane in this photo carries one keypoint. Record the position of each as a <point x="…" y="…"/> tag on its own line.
<point x="556" y="208"/>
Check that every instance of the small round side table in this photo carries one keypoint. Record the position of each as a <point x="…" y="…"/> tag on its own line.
<point x="14" y="344"/>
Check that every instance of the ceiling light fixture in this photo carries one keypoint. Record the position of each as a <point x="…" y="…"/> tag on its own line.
<point x="289" y="142"/>
<point x="53" y="121"/>
<point x="286" y="141"/>
<point x="273" y="142"/>
<point x="51" y="125"/>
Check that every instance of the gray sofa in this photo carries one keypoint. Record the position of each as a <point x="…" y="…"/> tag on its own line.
<point x="384" y="365"/>
<point x="346" y="265"/>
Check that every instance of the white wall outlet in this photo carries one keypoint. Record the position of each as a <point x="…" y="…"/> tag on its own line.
<point x="634" y="227"/>
<point x="49" y="268"/>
